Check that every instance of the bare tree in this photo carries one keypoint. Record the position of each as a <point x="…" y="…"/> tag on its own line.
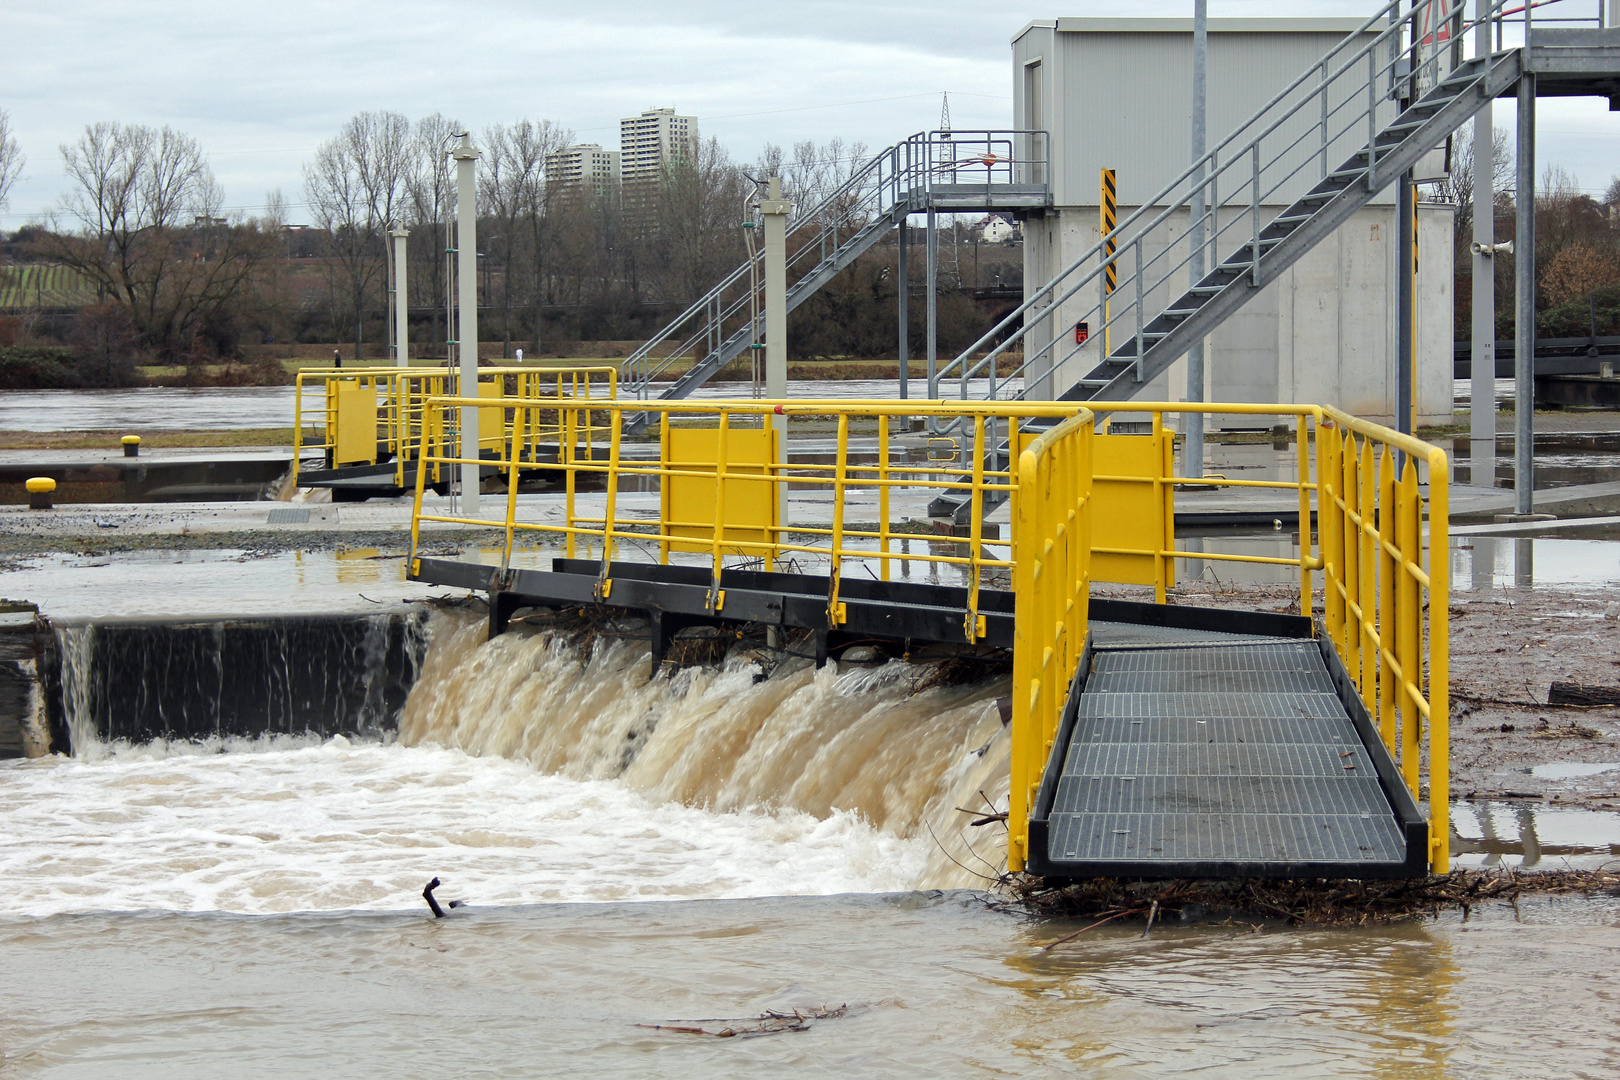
<point x="1459" y="185"/>
<point x="520" y="199"/>
<point x="700" y="212"/>
<point x="149" y="235"/>
<point x="356" y="189"/>
<point x="430" y="192"/>
<point x="11" y="158"/>
<point x="513" y="174"/>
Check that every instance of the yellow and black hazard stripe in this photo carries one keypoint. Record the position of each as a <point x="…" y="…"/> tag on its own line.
<point x="1110" y="215"/>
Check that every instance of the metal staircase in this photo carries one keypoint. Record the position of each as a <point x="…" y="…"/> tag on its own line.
<point x="950" y="171"/>
<point x="1346" y="108"/>
<point x="1385" y="96"/>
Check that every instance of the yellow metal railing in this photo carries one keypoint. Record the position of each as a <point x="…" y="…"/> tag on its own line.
<point x="1052" y="515"/>
<point x="724" y="503"/>
<point x="371" y="415"/>
<point x="721" y="482"/>
<point x="1386" y="606"/>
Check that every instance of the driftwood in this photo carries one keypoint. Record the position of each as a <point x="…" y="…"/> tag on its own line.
<point x="1568" y="693"/>
<point x="768" y="1022"/>
<point x="1315" y="902"/>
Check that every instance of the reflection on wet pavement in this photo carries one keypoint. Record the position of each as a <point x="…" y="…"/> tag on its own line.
<point x="1532" y="834"/>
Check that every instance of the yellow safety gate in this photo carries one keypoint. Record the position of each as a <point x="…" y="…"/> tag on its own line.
<point x="1368" y="488"/>
<point x="372" y="415"/>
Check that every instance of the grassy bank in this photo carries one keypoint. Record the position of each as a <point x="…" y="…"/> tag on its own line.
<point x="150" y="440"/>
<point x="234" y="374"/>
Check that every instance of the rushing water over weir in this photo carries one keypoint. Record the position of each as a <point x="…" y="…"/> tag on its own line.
<point x="758" y="731"/>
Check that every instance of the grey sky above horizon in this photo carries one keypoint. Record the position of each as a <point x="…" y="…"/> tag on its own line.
<point x="260" y="85"/>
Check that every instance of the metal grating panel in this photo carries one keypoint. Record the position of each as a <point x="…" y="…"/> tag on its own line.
<point x="1175" y="838"/>
<point x="1291" y="706"/>
<point x="1220" y="751"/>
<point x="1252" y="794"/>
<point x="1099" y="759"/>
<point x="1113" y="635"/>
<point x="288" y="516"/>
<point x="1209" y="682"/>
<point x="1217" y="729"/>
<point x="1295" y="656"/>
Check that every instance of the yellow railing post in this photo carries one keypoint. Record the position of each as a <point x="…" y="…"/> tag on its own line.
<point x="836" y="569"/>
<point x="970" y="628"/>
<point x="1409" y="620"/>
<point x="1439" y="664"/>
<point x="883" y="497"/>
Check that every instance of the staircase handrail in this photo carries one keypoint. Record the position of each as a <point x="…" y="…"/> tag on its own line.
<point x="861" y="176"/>
<point x="1237" y="152"/>
<point x="894" y="176"/>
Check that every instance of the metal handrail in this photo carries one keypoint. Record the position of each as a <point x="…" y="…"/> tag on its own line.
<point x="400" y="421"/>
<point x="1391" y="55"/>
<point x="892" y="179"/>
<point x="1384" y="579"/>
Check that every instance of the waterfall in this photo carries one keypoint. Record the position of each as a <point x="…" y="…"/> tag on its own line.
<point x="199" y="680"/>
<point x="754" y="732"/>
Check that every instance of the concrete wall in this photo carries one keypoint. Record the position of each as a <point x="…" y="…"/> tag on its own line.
<point x="1325" y="332"/>
<point x="1115" y="93"/>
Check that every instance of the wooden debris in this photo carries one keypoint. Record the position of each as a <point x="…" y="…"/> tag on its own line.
<point x="1568" y="693"/>
<point x="1571" y="730"/>
<point x="1315" y="902"/>
<point x="768" y="1022"/>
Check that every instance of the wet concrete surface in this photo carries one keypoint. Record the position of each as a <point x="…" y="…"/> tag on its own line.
<point x="1507" y="647"/>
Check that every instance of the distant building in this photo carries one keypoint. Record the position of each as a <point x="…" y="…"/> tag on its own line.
<point x="996" y="229"/>
<point x="586" y="165"/>
<point x="652" y="142"/>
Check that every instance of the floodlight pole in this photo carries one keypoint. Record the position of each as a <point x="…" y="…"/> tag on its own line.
<point x="467" y="311"/>
<point x="773" y="211"/>
<point x="402" y="303"/>
<point x="1192" y="454"/>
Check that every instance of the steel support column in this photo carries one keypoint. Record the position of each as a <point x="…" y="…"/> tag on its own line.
<point x="402" y="300"/>
<point x="1405" y="207"/>
<point x="1192" y="454"/>
<point x="1482" y="360"/>
<point x="903" y="303"/>
<point x="467" y="314"/>
<point x="932" y="303"/>
<point x="773" y="212"/>
<point x="1524" y="307"/>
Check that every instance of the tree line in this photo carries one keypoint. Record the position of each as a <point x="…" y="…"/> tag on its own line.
<point x="179" y="279"/>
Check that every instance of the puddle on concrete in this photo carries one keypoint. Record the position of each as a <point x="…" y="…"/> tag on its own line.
<point x="1573" y="770"/>
<point x="1532" y="835"/>
<point x="218" y="581"/>
<point x="1488" y="562"/>
<point x="1478" y="563"/>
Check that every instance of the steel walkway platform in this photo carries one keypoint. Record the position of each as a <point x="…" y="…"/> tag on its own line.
<point x="1199" y="743"/>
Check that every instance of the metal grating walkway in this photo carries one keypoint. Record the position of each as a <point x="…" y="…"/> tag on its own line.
<point x="1208" y="753"/>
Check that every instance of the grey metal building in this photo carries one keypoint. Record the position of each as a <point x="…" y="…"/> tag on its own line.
<point x="1116" y="93"/>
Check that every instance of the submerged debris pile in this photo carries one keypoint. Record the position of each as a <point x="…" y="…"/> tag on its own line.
<point x="768" y="1022"/>
<point x="1308" y="902"/>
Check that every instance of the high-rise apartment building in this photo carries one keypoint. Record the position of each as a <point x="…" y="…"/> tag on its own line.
<point x="584" y="165"/>
<point x="653" y="141"/>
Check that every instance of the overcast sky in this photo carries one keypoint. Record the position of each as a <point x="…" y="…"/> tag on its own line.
<point x="261" y="84"/>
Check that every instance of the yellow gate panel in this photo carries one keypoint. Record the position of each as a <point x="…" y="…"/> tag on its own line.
<point x="492" y="421"/>
<point x="1133" y="515"/>
<point x="355" y="442"/>
<point x="692" y="503"/>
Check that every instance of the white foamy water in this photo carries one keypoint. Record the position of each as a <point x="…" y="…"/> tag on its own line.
<point x="530" y="769"/>
<point x="335" y="826"/>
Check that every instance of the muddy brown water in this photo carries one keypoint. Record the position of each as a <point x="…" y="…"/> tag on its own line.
<point x="937" y="984"/>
